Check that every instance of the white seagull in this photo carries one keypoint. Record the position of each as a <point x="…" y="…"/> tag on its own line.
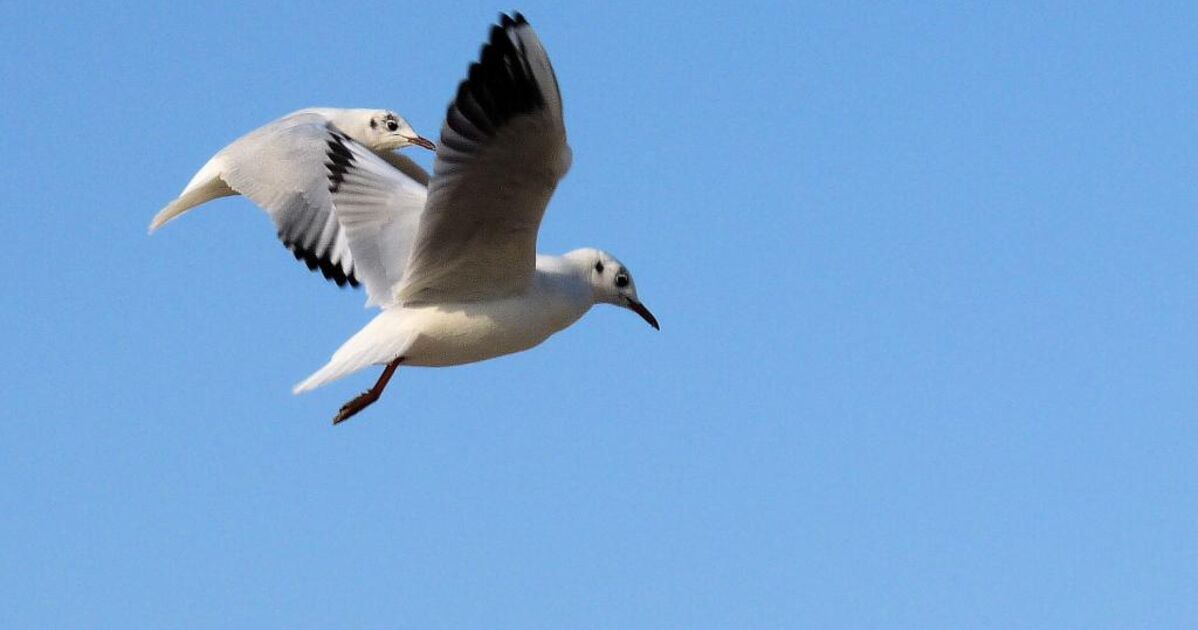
<point x="280" y="166"/>
<point x="453" y="265"/>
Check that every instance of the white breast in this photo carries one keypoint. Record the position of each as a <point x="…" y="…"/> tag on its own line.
<point x="453" y="334"/>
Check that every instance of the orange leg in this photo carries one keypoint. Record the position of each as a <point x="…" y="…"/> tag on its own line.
<point x="367" y="397"/>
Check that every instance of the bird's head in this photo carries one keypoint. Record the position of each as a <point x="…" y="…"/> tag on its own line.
<point x="611" y="282"/>
<point x="380" y="130"/>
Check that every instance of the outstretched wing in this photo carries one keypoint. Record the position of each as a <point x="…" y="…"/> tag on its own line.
<point x="502" y="151"/>
<point x="281" y="168"/>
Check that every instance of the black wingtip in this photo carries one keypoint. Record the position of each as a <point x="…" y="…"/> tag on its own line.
<point x="501" y="84"/>
<point x="509" y="21"/>
<point x="339" y="160"/>
<point x="494" y="34"/>
<point x="329" y="269"/>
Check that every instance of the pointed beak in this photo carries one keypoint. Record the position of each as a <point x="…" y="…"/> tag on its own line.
<point x="639" y="309"/>
<point x="421" y="141"/>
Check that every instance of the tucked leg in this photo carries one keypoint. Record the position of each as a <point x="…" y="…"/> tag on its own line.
<point x="367" y="397"/>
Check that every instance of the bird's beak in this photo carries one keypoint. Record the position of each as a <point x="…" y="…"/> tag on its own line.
<point x="639" y="309"/>
<point x="421" y="142"/>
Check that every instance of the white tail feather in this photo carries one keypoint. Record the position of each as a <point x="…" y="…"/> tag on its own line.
<point x="376" y="344"/>
<point x="205" y="186"/>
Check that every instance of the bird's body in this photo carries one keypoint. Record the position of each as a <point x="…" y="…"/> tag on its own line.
<point x="466" y="332"/>
<point x="456" y="333"/>
<point x="451" y="261"/>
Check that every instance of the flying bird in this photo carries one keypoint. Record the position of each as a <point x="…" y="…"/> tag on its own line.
<point x="452" y="264"/>
<point x="280" y="166"/>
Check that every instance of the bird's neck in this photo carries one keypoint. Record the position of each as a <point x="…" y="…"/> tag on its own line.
<point x="559" y="275"/>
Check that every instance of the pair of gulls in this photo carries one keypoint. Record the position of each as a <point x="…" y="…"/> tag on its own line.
<point x="451" y="260"/>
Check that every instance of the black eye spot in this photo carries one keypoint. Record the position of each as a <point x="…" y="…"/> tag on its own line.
<point x="621" y="279"/>
<point x="392" y="125"/>
<point x="373" y="123"/>
<point x="599" y="267"/>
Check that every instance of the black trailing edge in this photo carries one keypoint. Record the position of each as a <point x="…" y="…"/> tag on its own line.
<point x="339" y="159"/>
<point x="328" y="268"/>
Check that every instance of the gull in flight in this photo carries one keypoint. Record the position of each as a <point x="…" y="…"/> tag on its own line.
<point x="280" y="166"/>
<point x="454" y="266"/>
<point x="452" y="263"/>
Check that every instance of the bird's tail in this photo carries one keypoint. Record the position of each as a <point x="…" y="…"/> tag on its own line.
<point x="205" y="186"/>
<point x="378" y="343"/>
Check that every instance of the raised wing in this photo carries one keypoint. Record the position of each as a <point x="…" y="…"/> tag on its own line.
<point x="502" y="151"/>
<point x="379" y="208"/>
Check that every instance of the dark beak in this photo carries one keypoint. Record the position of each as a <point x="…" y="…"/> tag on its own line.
<point x="423" y="142"/>
<point x="639" y="309"/>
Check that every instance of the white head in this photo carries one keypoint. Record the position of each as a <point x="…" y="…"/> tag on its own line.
<point x="377" y="129"/>
<point x="611" y="282"/>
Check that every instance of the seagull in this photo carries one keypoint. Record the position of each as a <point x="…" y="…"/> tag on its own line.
<point x="453" y="265"/>
<point x="280" y="166"/>
<point x="452" y="260"/>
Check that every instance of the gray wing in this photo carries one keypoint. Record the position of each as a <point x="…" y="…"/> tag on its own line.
<point x="405" y="165"/>
<point x="502" y="151"/>
<point x="281" y="168"/>
<point x="378" y="207"/>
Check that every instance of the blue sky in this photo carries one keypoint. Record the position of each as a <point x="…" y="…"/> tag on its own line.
<point x="926" y="278"/>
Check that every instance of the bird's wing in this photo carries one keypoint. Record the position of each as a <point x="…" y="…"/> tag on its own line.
<point x="502" y="151"/>
<point x="378" y="207"/>
<point x="406" y="165"/>
<point x="281" y="168"/>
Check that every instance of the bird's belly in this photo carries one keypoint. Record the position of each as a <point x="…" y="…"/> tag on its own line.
<point x="455" y="335"/>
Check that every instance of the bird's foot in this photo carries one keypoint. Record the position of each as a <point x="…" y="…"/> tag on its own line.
<point x="369" y="396"/>
<point x="352" y="407"/>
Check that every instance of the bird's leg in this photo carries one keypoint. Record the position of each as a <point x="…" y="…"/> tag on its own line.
<point x="369" y="396"/>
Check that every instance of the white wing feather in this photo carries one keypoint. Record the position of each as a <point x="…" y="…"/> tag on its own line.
<point x="379" y="209"/>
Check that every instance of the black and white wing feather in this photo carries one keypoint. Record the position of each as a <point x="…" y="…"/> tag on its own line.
<point x="379" y="208"/>
<point x="502" y="152"/>
<point x="280" y="167"/>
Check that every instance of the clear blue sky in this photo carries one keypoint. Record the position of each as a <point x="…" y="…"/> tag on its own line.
<point x="926" y="279"/>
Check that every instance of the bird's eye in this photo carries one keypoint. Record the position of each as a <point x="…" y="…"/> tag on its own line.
<point x="392" y="125"/>
<point x="599" y="267"/>
<point x="621" y="279"/>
